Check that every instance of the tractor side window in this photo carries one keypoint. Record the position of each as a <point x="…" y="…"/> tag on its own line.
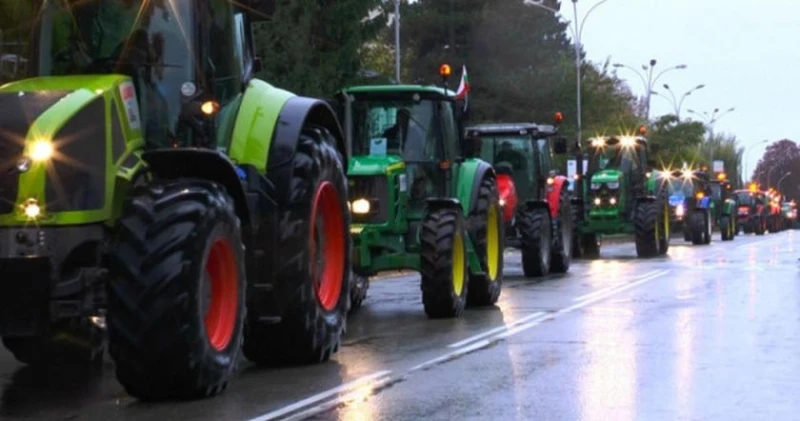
<point x="240" y="40"/>
<point x="227" y="69"/>
<point x="450" y="130"/>
<point x="543" y="149"/>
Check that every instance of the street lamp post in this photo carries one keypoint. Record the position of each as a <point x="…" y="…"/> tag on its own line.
<point x="397" y="41"/>
<point x="677" y="104"/>
<point x="649" y="81"/>
<point x="778" y="187"/>
<point x="577" y="30"/>
<point x="712" y="119"/>
<point x="746" y="150"/>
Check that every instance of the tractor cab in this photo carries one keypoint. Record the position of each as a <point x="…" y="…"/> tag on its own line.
<point x="183" y="87"/>
<point x="522" y="156"/>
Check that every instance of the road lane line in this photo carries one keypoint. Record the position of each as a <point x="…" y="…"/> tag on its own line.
<point x="495" y="330"/>
<point x="577" y="306"/>
<point x="361" y="393"/>
<point x="359" y="383"/>
<point x="451" y="355"/>
<point x="609" y="288"/>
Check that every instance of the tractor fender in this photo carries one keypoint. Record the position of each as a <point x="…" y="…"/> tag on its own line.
<point x="554" y="194"/>
<point x="202" y="163"/>
<point x="470" y="175"/>
<point x="296" y="113"/>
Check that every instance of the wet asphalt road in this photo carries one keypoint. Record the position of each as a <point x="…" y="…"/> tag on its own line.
<point x="709" y="332"/>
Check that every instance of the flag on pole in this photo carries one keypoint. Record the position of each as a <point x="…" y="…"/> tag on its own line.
<point x="463" y="87"/>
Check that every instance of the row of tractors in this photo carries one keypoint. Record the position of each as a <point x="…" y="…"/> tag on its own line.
<point x="182" y="215"/>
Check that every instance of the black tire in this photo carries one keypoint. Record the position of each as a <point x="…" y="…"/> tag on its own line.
<point x="577" y="242"/>
<point x="484" y="289"/>
<point x="536" y="241"/>
<point x="698" y="221"/>
<point x="646" y="230"/>
<point x="165" y="247"/>
<point x="663" y="229"/>
<point x="562" y="241"/>
<point x="443" y="264"/>
<point x="726" y="228"/>
<point x="358" y="291"/>
<point x="308" y="333"/>
<point x="591" y="246"/>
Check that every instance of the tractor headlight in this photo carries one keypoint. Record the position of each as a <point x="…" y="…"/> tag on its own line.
<point x="360" y="206"/>
<point x="679" y="210"/>
<point x="41" y="150"/>
<point x="597" y="201"/>
<point x="612" y="201"/>
<point x="613" y="186"/>
<point x="32" y="209"/>
<point x="502" y="202"/>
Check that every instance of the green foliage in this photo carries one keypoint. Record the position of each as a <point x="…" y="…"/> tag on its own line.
<point x="313" y="47"/>
<point x="674" y="142"/>
<point x="779" y="159"/>
<point x="724" y="148"/>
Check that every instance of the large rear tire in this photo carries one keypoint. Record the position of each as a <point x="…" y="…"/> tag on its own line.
<point x="535" y="230"/>
<point x="565" y="232"/>
<point x="646" y="226"/>
<point x="489" y="238"/>
<point x="698" y="220"/>
<point x="314" y="238"/>
<point x="176" y="296"/>
<point x="443" y="261"/>
<point x="726" y="228"/>
<point x="664" y="231"/>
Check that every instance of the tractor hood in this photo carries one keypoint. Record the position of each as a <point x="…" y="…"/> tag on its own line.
<point x="607" y="176"/>
<point x="365" y="165"/>
<point x="58" y="137"/>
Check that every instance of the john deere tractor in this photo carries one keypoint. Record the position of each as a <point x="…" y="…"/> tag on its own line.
<point x="152" y="185"/>
<point x="623" y="195"/>
<point x="725" y="203"/>
<point x="537" y="208"/>
<point x="421" y="199"/>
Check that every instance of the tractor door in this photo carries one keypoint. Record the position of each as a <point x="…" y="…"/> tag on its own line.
<point x="544" y="164"/>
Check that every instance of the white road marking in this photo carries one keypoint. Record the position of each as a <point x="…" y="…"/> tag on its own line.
<point x="495" y="330"/>
<point x="604" y="290"/>
<point x="363" y="387"/>
<point x="359" y="383"/>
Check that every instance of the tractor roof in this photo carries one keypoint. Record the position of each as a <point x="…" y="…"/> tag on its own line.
<point x="395" y="89"/>
<point x="511" y="129"/>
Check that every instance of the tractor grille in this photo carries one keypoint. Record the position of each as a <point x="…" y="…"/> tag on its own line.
<point x="17" y="112"/>
<point x="376" y="190"/>
<point x="77" y="179"/>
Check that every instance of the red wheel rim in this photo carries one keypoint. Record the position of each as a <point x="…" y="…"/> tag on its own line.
<point x="327" y="245"/>
<point x="220" y="319"/>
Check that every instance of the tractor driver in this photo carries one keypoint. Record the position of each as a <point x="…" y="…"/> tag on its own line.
<point x="513" y="157"/>
<point x="398" y="133"/>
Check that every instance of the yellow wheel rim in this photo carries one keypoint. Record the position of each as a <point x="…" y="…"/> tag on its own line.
<point x="492" y="243"/>
<point x="666" y="221"/>
<point x="458" y="264"/>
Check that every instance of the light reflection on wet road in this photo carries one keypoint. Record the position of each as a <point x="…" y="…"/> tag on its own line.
<point x="710" y="332"/>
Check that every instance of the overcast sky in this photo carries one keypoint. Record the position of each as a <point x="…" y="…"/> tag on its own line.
<point x="745" y="52"/>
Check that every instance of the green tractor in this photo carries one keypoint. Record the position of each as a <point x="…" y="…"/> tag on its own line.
<point x="537" y="208"/>
<point x="622" y="194"/>
<point x="726" y="204"/>
<point x="420" y="198"/>
<point x="149" y="196"/>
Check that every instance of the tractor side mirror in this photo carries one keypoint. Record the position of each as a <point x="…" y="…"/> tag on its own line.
<point x="261" y="10"/>
<point x="560" y="145"/>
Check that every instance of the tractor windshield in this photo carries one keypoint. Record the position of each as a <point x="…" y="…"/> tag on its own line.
<point x="680" y="186"/>
<point x="148" y="40"/>
<point x="514" y="153"/>
<point x="406" y="128"/>
<point x="625" y="159"/>
<point x="744" y="198"/>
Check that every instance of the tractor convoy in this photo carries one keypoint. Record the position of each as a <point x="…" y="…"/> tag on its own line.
<point x="181" y="213"/>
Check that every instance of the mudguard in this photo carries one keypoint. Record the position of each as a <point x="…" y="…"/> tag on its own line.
<point x="205" y="164"/>
<point x="470" y="174"/>
<point x="554" y="194"/>
<point x="508" y="193"/>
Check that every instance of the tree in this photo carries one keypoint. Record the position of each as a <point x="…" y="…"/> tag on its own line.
<point x="723" y="148"/>
<point x="779" y="159"/>
<point x="674" y="142"/>
<point x="313" y="47"/>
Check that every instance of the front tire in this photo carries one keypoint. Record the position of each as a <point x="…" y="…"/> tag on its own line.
<point x="314" y="259"/>
<point x="646" y="226"/>
<point x="443" y="264"/>
<point x="176" y="243"/>
<point x="562" y="245"/>
<point x="488" y="236"/>
<point x="535" y="230"/>
<point x="726" y="228"/>
<point x="358" y="291"/>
